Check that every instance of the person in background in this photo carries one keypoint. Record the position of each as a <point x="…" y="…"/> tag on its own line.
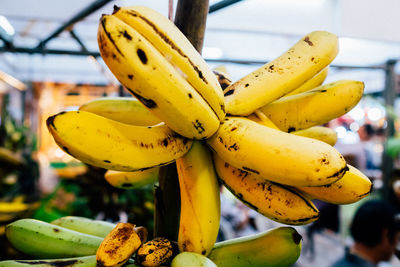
<point x="375" y="232"/>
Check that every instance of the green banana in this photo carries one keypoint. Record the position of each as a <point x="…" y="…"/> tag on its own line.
<point x="45" y="240"/>
<point x="277" y="247"/>
<point x="85" y="261"/>
<point x="85" y="225"/>
<point x="191" y="259"/>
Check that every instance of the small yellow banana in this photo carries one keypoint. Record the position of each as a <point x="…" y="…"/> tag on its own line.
<point x="156" y="252"/>
<point x="109" y="144"/>
<point x="159" y="66"/>
<point x="315" y="81"/>
<point x="123" y="109"/>
<point x="134" y="179"/>
<point x="315" y="107"/>
<point x="200" y="200"/>
<point x="118" y="246"/>
<point x="278" y="203"/>
<point x="324" y="134"/>
<point x="353" y="186"/>
<point x="305" y="59"/>
<point x="278" y="156"/>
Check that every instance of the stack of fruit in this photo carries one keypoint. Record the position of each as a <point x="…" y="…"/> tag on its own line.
<point x="261" y="136"/>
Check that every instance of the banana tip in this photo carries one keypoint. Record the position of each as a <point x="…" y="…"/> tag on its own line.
<point x="115" y="9"/>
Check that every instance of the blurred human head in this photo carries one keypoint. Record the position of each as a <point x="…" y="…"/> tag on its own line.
<point x="374" y="225"/>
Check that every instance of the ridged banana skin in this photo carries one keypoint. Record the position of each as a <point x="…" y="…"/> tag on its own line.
<point x="277" y="247"/>
<point x="86" y="261"/>
<point x="353" y="186"/>
<point x="278" y="156"/>
<point x="130" y="180"/>
<point x="191" y="259"/>
<point x="173" y="44"/>
<point x="315" y="81"/>
<point x="315" y="107"/>
<point x="123" y="109"/>
<point x="200" y="200"/>
<point x="324" y="134"/>
<point x="85" y="225"/>
<point x="109" y="144"/>
<point x="44" y="240"/>
<point x="278" y="203"/>
<point x="305" y="59"/>
<point x="151" y="78"/>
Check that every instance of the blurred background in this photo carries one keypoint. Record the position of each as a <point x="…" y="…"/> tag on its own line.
<point x="49" y="62"/>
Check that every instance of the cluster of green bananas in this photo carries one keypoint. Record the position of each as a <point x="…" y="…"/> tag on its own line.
<point x="261" y="136"/>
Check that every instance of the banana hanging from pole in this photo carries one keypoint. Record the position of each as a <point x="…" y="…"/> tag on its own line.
<point x="301" y="62"/>
<point x="315" y="107"/>
<point x="159" y="66"/>
<point x="275" y="155"/>
<point x="278" y="203"/>
<point x="200" y="200"/>
<point x="109" y="144"/>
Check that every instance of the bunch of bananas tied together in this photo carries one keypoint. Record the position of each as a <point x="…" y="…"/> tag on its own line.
<point x="261" y="136"/>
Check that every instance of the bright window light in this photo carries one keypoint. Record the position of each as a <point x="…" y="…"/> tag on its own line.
<point x="341" y="131"/>
<point x="212" y="52"/>
<point x="5" y="24"/>
<point x="356" y="113"/>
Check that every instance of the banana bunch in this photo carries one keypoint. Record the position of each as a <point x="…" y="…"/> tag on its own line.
<point x="260" y="136"/>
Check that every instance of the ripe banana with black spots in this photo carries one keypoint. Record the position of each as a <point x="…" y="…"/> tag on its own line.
<point x="156" y="252"/>
<point x="85" y="261"/>
<point x="160" y="67"/>
<point x="134" y="179"/>
<point x="186" y="259"/>
<point x="109" y="144"/>
<point x="277" y="247"/>
<point x="353" y="186"/>
<point x="279" y="203"/>
<point x="200" y="200"/>
<point x="315" y="81"/>
<point x="123" y="109"/>
<point x="324" y="134"/>
<point x="305" y="59"/>
<point x="275" y="155"/>
<point x="118" y="246"/>
<point x="314" y="107"/>
<point x="85" y="225"/>
<point x="44" y="240"/>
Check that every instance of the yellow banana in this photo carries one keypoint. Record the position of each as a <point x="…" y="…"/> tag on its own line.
<point x="134" y="179"/>
<point x="123" y="109"/>
<point x="324" y="134"/>
<point x="109" y="144"/>
<point x="118" y="246"/>
<point x="278" y="247"/>
<point x="11" y="158"/>
<point x="278" y="203"/>
<point x="259" y="117"/>
<point x="85" y="261"/>
<point x="157" y="252"/>
<point x="200" y="200"/>
<point x="353" y="186"/>
<point x="8" y="207"/>
<point x="186" y="259"/>
<point x="85" y="225"/>
<point x="278" y="156"/>
<point x="305" y="59"/>
<point x="315" y="81"/>
<point x="159" y="66"/>
<point x="315" y="107"/>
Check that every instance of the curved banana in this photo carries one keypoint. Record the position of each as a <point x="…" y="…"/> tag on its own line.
<point x="109" y="144"/>
<point x="130" y="180"/>
<point x="85" y="261"/>
<point x="159" y="66"/>
<point x="315" y="81"/>
<point x="200" y="200"/>
<point x="278" y="156"/>
<point x="315" y="107"/>
<point x="118" y="246"/>
<point x="45" y="240"/>
<point x="277" y="247"/>
<point x="85" y="225"/>
<point x="278" y="203"/>
<point x="305" y="59"/>
<point x="259" y="117"/>
<point x="185" y="259"/>
<point x="156" y="252"/>
<point x="324" y="134"/>
<point x="123" y="109"/>
<point x="353" y="186"/>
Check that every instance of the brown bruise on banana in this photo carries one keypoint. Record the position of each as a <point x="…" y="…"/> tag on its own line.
<point x="55" y="263"/>
<point x="103" y="24"/>
<point x="198" y="126"/>
<point x="149" y="103"/>
<point x="156" y="252"/>
<point x="308" y="41"/>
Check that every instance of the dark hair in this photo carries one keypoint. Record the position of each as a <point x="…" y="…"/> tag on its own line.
<point x="370" y="220"/>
